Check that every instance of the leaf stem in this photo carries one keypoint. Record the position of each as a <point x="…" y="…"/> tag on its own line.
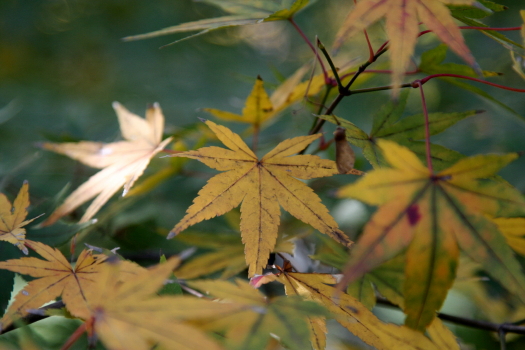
<point x="424" y="80"/>
<point x="255" y="138"/>
<point x="305" y="38"/>
<point x="427" y="127"/>
<point x="74" y="337"/>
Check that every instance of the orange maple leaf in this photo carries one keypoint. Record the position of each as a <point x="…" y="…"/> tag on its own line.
<point x="123" y="161"/>
<point x="402" y="26"/>
<point x="56" y="277"/>
<point x="12" y="218"/>
<point x="262" y="185"/>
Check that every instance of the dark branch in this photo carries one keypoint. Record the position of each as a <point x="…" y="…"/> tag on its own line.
<point x="467" y="322"/>
<point x="38" y="315"/>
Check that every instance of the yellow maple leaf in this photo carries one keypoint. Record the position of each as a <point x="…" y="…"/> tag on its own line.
<point x="433" y="216"/>
<point x="123" y="162"/>
<point x="514" y="231"/>
<point x="349" y="312"/>
<point x="227" y="254"/>
<point x="131" y="316"/>
<point x="402" y="26"/>
<point x="258" y="107"/>
<point x="262" y="185"/>
<point x="12" y="218"/>
<point x="56" y="277"/>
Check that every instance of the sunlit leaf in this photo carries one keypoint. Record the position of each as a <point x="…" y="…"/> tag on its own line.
<point x="123" y="162"/>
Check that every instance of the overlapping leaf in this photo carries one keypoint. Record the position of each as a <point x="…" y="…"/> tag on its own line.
<point x="388" y="280"/>
<point x="130" y="316"/>
<point x="470" y="15"/>
<point x="55" y="277"/>
<point x="514" y="231"/>
<point x="386" y="125"/>
<point x="432" y="63"/>
<point x="12" y="218"/>
<point x="249" y="319"/>
<point x="227" y="254"/>
<point x="402" y="26"/>
<point x="122" y="162"/>
<point x="434" y="216"/>
<point x="348" y="312"/>
<point x="262" y="185"/>
<point x="260" y="107"/>
<point x="243" y="12"/>
<point x="257" y="110"/>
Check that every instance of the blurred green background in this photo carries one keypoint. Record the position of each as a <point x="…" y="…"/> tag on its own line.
<point x="62" y="64"/>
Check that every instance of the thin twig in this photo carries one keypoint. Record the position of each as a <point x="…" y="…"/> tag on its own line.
<point x="305" y="38"/>
<point x="427" y="126"/>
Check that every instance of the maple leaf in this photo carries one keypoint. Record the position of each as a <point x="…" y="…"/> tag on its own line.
<point x="388" y="280"/>
<point x="514" y="231"/>
<point x="227" y="254"/>
<point x="349" y="312"/>
<point x="56" y="277"/>
<point x="261" y="108"/>
<point x="12" y="218"/>
<point x="470" y="15"/>
<point x="262" y="185"/>
<point x="386" y="125"/>
<point x="123" y="162"/>
<point x="257" y="110"/>
<point x="433" y="216"/>
<point x="130" y="316"/>
<point x="242" y="12"/>
<point x="402" y="26"/>
<point x="250" y="319"/>
<point x="432" y="63"/>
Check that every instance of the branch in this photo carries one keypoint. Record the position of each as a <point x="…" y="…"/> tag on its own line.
<point x="346" y="90"/>
<point x="38" y="315"/>
<point x="467" y="322"/>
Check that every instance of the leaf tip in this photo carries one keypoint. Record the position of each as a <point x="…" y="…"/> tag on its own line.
<point x="171" y="235"/>
<point x="203" y="120"/>
<point x="115" y="105"/>
<point x="479" y="111"/>
<point x="259" y="78"/>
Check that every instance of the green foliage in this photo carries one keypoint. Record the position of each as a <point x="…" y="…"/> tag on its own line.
<point x="447" y="233"/>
